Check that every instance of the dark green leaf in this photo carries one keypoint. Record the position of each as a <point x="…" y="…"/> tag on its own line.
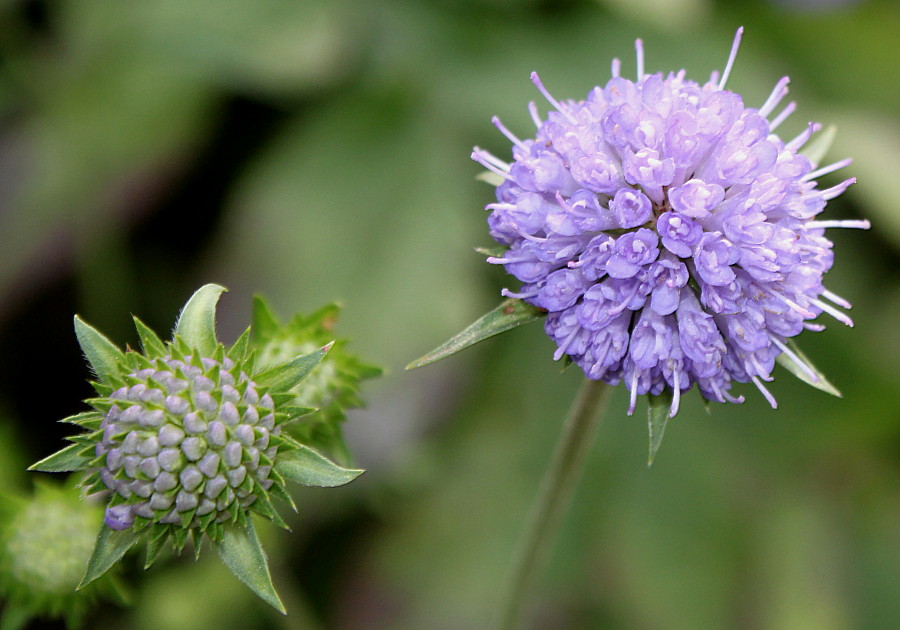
<point x="306" y="466"/>
<point x="285" y="375"/>
<point x="197" y="321"/>
<point x="101" y="353"/>
<point x="108" y="549"/>
<point x="657" y="417"/>
<point x="243" y="555"/>
<point x="68" y="459"/>
<point x="798" y="364"/>
<point x="238" y="350"/>
<point x="508" y="315"/>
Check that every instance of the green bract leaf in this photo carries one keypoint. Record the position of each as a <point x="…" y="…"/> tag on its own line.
<point x="284" y="376"/>
<point x="103" y="355"/>
<point x="508" y="315"/>
<point x="197" y="321"/>
<point x="109" y="549"/>
<point x="68" y="459"/>
<point x="150" y="342"/>
<point x="657" y="418"/>
<point x="306" y="466"/>
<point x="795" y="362"/>
<point x="264" y="322"/>
<point x="243" y="555"/>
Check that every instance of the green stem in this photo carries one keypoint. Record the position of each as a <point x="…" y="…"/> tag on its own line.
<point x="554" y="495"/>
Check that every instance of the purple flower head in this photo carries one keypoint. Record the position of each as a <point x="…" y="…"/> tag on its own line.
<point x="668" y="230"/>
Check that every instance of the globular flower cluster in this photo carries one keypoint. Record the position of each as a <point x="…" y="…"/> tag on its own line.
<point x="668" y="231"/>
<point x="186" y="440"/>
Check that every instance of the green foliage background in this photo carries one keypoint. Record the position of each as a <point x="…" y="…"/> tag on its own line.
<point x="317" y="150"/>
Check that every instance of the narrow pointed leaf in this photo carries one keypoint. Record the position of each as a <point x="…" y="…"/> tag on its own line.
<point x="68" y="459"/>
<point x="108" y="549"/>
<point x="264" y="322"/>
<point x="285" y="375"/>
<point x="197" y="321"/>
<point x="508" y="315"/>
<point x="657" y="418"/>
<point x="243" y="555"/>
<point x="150" y="341"/>
<point x="238" y="350"/>
<point x="495" y="252"/>
<point x="307" y="467"/>
<point x="101" y="353"/>
<point x="788" y="362"/>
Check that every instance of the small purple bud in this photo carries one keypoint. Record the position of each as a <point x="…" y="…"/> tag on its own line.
<point x="632" y="251"/>
<point x="250" y="395"/>
<point x="209" y="464"/>
<point x="266" y="402"/>
<point x="204" y="401"/>
<point x="177" y="405"/>
<point x="130" y="463"/>
<point x="152" y="419"/>
<point x="631" y="208"/>
<point x="136" y="391"/>
<point x="170" y="435"/>
<point x="160" y="501"/>
<point x="170" y="459"/>
<point x="131" y="415"/>
<point x="185" y="502"/>
<point x="262" y="439"/>
<point x="191" y="478"/>
<point x="268" y="422"/>
<point x="208" y="363"/>
<point x="204" y="384"/>
<point x="119" y="517"/>
<point x="150" y="467"/>
<point x="165" y="481"/>
<point x="243" y="433"/>
<point x="695" y="198"/>
<point x="251" y="416"/>
<point x="229" y="393"/>
<point x="148" y="447"/>
<point x="153" y="396"/>
<point x="216" y="434"/>
<point x="678" y="233"/>
<point x="232" y="454"/>
<point x="193" y="423"/>
<point x="229" y="414"/>
<point x="206" y="506"/>
<point x="141" y="488"/>
<point x="236" y="476"/>
<point x="193" y="448"/>
<point x="114" y="459"/>
<point x="215" y="486"/>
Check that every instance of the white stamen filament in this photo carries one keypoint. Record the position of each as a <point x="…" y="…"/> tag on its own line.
<point x="633" y="402"/>
<point x="834" y="191"/>
<point x="505" y="261"/>
<point x="540" y="86"/>
<point x="518" y="296"/>
<point x="480" y="158"/>
<point x="828" y="308"/>
<point x="780" y="118"/>
<point x="532" y="109"/>
<point x="796" y="359"/>
<point x="775" y="97"/>
<point x="837" y="299"/>
<point x="813" y="326"/>
<point x="828" y="169"/>
<point x="676" y="391"/>
<point x="565" y="344"/>
<point x="861" y="224"/>
<point x="500" y="206"/>
<point x="790" y="303"/>
<point x="616" y="67"/>
<point x="734" y="50"/>
<point x="760" y="369"/>
<point x="795" y="144"/>
<point x="506" y="132"/>
<point x="639" y="50"/>
<point x="765" y="392"/>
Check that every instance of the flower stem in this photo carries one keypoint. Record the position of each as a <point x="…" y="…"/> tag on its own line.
<point x="554" y="495"/>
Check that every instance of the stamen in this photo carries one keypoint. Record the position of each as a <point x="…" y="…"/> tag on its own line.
<point x="765" y="392"/>
<point x="790" y="303"/>
<point x="834" y="191"/>
<point x="500" y="206"/>
<point x="676" y="391"/>
<point x="860" y="224"/>
<point x="494" y="260"/>
<point x="780" y="118"/>
<point x="775" y="97"/>
<point x="639" y="50"/>
<point x="837" y="299"/>
<point x="760" y="369"/>
<point x="734" y="50"/>
<point x="490" y="159"/>
<point x="803" y="138"/>
<point x="796" y="359"/>
<point x="633" y="402"/>
<point x="518" y="296"/>
<point x="813" y="326"/>
<point x="565" y="344"/>
<point x="616" y="67"/>
<point x="506" y="132"/>
<point x="621" y="307"/>
<point x="828" y="169"/>
<point x="540" y="86"/>
<point x="482" y="157"/>
<point x="532" y="109"/>
<point x="833" y="312"/>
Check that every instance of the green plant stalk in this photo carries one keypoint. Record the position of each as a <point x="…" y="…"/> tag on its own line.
<point x="554" y="496"/>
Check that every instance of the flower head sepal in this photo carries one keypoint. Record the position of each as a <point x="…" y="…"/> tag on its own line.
<point x="186" y="439"/>
<point x="508" y="315"/>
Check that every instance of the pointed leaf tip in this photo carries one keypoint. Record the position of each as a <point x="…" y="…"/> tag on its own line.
<point x="197" y="322"/>
<point x="657" y="418"/>
<point x="109" y="548"/>
<point x="509" y="314"/>
<point x="310" y="468"/>
<point x="103" y="355"/>
<point x="800" y="366"/>
<point x="286" y="375"/>
<point x="242" y="553"/>
<point x="68" y="459"/>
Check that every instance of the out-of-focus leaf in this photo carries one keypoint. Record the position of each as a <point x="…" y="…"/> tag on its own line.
<point x="657" y="418"/>
<point x="509" y="314"/>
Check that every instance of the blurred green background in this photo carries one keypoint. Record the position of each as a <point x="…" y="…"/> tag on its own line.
<point x="318" y="150"/>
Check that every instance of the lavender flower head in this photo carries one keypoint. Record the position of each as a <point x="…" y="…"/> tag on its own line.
<point x="669" y="232"/>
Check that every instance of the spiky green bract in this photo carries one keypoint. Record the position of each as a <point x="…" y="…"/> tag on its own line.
<point x="331" y="389"/>
<point x="45" y="543"/>
<point x="186" y="440"/>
